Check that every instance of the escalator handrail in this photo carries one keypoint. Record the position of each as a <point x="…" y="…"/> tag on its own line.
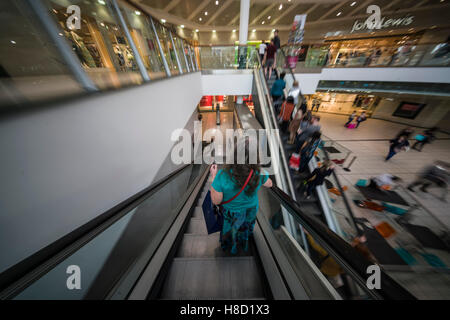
<point x="348" y="257"/>
<point x="35" y="266"/>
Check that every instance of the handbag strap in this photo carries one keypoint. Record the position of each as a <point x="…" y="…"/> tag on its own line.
<point x="243" y="187"/>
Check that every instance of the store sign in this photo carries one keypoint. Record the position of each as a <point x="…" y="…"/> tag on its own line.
<point x="375" y="21"/>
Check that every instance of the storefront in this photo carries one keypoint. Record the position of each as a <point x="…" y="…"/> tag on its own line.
<point x="343" y="103"/>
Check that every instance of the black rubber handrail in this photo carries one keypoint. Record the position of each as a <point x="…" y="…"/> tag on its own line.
<point x="36" y="265"/>
<point x="354" y="263"/>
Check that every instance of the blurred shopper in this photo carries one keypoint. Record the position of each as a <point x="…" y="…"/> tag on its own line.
<point x="307" y="150"/>
<point x="362" y="117"/>
<point x="397" y="145"/>
<point x="408" y="131"/>
<point x="437" y="174"/>
<point x="277" y="90"/>
<point x="295" y="92"/>
<point x="270" y="58"/>
<point x="239" y="214"/>
<point x="262" y="50"/>
<point x="422" y="139"/>
<point x="317" y="177"/>
<point x="276" y="40"/>
<point x="350" y="118"/>
<point x="305" y="133"/>
<point x="384" y="181"/>
<point x="285" y="113"/>
<point x="295" y="125"/>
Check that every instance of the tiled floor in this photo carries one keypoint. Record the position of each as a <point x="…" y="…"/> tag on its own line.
<point x="369" y="143"/>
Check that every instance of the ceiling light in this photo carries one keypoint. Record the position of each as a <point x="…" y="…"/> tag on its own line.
<point x="101" y="2"/>
<point x="138" y="13"/>
<point x="214" y="30"/>
<point x="234" y="30"/>
<point x="269" y="17"/>
<point x="182" y="26"/>
<point x="13" y="42"/>
<point x="200" y="19"/>
<point x="206" y="13"/>
<point x="263" y="22"/>
<point x="217" y="3"/>
<point x="254" y="30"/>
<point x="280" y="7"/>
<point x="273" y="30"/>
<point x="353" y="3"/>
<point x="196" y="30"/>
<point x="338" y="14"/>
<point x="163" y="20"/>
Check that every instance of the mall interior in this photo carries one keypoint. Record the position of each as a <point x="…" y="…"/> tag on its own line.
<point x="94" y="97"/>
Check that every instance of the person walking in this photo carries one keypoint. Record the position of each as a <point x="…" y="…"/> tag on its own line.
<point x="317" y="177"/>
<point x="396" y="146"/>
<point x="350" y="118"/>
<point x="421" y="140"/>
<point x="239" y="215"/>
<point x="270" y="58"/>
<point x="295" y="92"/>
<point x="408" y="131"/>
<point x="361" y="118"/>
<point x="276" y="40"/>
<point x="262" y="50"/>
<point x="285" y="113"/>
<point x="437" y="174"/>
<point x="307" y="150"/>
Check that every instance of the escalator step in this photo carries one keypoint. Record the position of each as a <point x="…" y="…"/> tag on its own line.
<point x="197" y="226"/>
<point x="206" y="246"/>
<point x="213" y="278"/>
<point x="198" y="212"/>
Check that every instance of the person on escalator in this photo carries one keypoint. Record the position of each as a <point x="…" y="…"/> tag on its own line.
<point x="269" y="58"/>
<point x="277" y="91"/>
<point x="305" y="133"/>
<point x="285" y="113"/>
<point x="295" y="92"/>
<point x="239" y="215"/>
<point x="317" y="177"/>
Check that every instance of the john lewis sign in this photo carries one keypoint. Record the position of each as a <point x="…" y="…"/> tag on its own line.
<point x="375" y="21"/>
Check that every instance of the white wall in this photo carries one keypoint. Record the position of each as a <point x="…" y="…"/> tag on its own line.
<point x="62" y="166"/>
<point x="227" y="84"/>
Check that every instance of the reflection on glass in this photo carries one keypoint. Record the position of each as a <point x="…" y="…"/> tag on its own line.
<point x="100" y="44"/>
<point x="31" y="68"/>
<point x="142" y="33"/>
<point x="166" y="44"/>
<point x="180" y="51"/>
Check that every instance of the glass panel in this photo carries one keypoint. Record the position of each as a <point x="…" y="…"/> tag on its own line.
<point x="219" y="57"/>
<point x="100" y="44"/>
<point x="166" y="44"/>
<point x="180" y="51"/>
<point x="31" y="68"/>
<point x="272" y="212"/>
<point x="105" y="259"/>
<point x="143" y="36"/>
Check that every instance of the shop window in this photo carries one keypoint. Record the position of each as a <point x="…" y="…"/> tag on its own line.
<point x="31" y="68"/>
<point x="141" y="31"/>
<point x="100" y="44"/>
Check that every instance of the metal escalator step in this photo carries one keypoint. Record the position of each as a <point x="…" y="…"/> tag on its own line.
<point x="206" y="246"/>
<point x="198" y="212"/>
<point x="213" y="278"/>
<point x="197" y="226"/>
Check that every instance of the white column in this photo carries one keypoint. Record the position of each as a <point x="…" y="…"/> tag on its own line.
<point x="243" y="24"/>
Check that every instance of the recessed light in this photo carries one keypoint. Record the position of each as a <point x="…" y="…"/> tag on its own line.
<point x="13" y="42"/>
<point x="182" y="26"/>
<point x="206" y="13"/>
<point x="214" y="30"/>
<point x="263" y="22"/>
<point x="339" y="13"/>
<point x="200" y="19"/>
<point x="234" y="30"/>
<point x="353" y="3"/>
<point x="280" y="7"/>
<point x="102" y="2"/>
<point x="196" y="30"/>
<point x="269" y="17"/>
<point x="273" y="30"/>
<point x="138" y="13"/>
<point x="163" y="20"/>
<point x="217" y="3"/>
<point x="254" y="30"/>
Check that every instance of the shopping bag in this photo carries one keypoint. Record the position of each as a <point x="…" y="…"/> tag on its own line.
<point x="212" y="214"/>
<point x="294" y="161"/>
<point x="419" y="137"/>
<point x="351" y="126"/>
